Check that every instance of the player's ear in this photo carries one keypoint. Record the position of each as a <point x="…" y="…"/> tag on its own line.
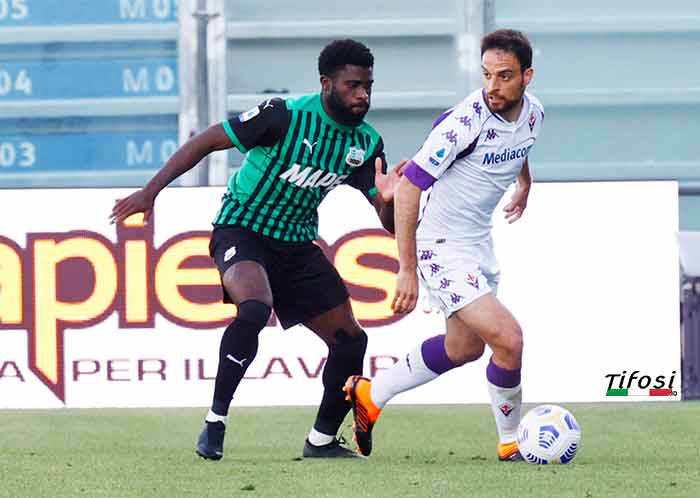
<point x="326" y="84"/>
<point x="527" y="76"/>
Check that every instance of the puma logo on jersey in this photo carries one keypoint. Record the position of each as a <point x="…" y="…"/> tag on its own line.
<point x="312" y="178"/>
<point x="233" y="359"/>
<point x="310" y="145"/>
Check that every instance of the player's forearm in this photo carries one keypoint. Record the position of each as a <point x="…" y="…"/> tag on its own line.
<point x="407" y="201"/>
<point x="187" y="157"/>
<point x="524" y="178"/>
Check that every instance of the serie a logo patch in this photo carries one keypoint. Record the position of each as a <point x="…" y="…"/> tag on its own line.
<point x="248" y="115"/>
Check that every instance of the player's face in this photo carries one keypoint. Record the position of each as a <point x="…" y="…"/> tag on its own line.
<point x="504" y="81"/>
<point x="348" y="93"/>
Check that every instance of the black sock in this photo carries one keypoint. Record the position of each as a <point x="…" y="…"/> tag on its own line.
<point x="238" y="348"/>
<point x="345" y="358"/>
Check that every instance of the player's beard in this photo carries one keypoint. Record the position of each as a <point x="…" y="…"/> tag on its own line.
<point x="510" y="104"/>
<point x="343" y="112"/>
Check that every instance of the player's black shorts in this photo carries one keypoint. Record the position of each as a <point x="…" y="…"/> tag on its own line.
<point x="304" y="283"/>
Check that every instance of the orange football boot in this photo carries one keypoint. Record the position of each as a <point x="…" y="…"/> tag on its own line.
<point x="508" y="452"/>
<point x="365" y="413"/>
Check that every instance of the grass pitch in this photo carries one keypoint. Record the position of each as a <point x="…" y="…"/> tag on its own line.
<point x="629" y="450"/>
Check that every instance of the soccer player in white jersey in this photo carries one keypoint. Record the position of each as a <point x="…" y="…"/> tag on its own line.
<point x="474" y="152"/>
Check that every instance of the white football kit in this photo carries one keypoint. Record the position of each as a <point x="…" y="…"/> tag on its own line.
<point x="469" y="159"/>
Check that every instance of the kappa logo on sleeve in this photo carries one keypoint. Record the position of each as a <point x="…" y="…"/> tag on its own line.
<point x="451" y="136"/>
<point x="466" y="121"/>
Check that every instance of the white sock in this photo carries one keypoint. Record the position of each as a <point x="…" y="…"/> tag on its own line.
<point x="505" y="405"/>
<point x="213" y="417"/>
<point x="319" y="438"/>
<point x="409" y="372"/>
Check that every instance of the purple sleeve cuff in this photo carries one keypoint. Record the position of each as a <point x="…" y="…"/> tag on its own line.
<point x="418" y="176"/>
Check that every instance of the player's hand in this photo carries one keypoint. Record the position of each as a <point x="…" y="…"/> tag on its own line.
<point x="406" y="294"/>
<point x="518" y="202"/>
<point x="140" y="201"/>
<point x="387" y="183"/>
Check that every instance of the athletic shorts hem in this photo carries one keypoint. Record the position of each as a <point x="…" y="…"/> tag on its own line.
<point x="288" y="323"/>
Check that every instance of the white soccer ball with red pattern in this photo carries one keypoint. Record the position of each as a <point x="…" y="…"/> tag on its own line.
<point x="549" y="434"/>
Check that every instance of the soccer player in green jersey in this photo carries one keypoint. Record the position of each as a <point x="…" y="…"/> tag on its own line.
<point x="297" y="151"/>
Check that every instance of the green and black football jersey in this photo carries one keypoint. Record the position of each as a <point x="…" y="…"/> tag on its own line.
<point x="296" y="154"/>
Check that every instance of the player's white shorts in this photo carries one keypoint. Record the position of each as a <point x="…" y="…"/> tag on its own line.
<point x="455" y="274"/>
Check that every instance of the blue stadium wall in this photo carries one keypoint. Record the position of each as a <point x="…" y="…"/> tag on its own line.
<point x="89" y="90"/>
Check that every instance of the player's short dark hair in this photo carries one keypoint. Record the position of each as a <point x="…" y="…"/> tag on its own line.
<point x="509" y="40"/>
<point x="338" y="53"/>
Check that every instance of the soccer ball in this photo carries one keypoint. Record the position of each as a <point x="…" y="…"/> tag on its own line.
<point x="548" y="434"/>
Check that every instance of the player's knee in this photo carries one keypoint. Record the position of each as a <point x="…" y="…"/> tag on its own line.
<point x="513" y="341"/>
<point x="349" y="344"/>
<point x="254" y="312"/>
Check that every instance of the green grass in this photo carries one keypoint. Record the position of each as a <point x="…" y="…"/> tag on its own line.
<point x="640" y="450"/>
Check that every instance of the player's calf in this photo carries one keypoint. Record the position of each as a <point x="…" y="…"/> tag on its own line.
<point x="345" y="358"/>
